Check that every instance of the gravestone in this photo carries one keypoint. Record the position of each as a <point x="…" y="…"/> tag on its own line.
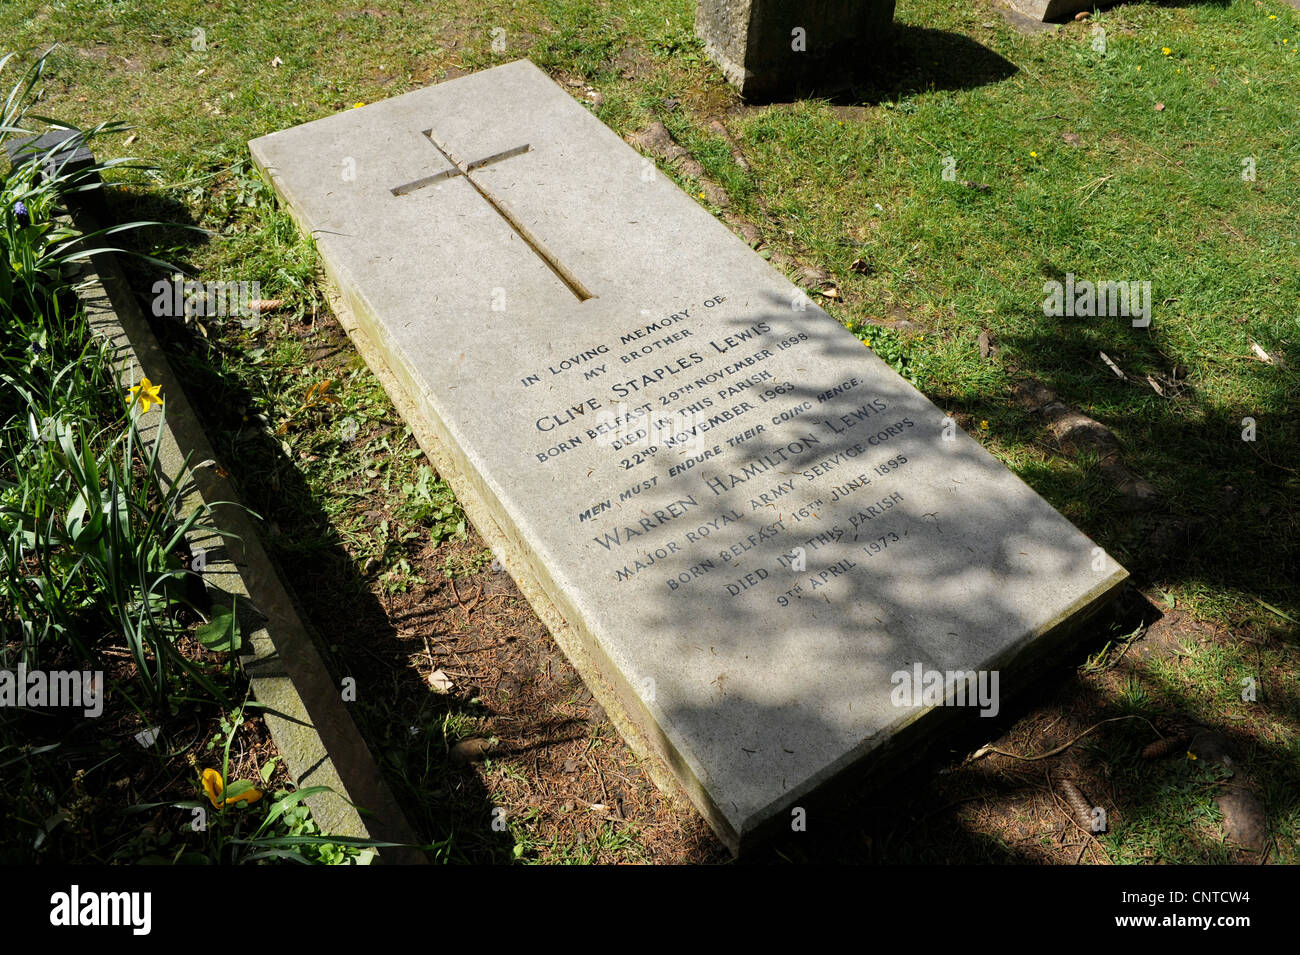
<point x="767" y="48"/>
<point x="742" y="527"/>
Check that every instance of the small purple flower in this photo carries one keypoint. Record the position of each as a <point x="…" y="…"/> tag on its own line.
<point x="21" y="214"/>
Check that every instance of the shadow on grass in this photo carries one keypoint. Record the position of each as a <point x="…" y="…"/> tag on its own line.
<point x="916" y="60"/>
<point x="1228" y="513"/>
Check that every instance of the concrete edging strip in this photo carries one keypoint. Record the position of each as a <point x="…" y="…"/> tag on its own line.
<point x="304" y="711"/>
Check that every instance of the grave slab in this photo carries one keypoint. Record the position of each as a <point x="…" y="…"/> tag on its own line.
<point x="741" y="525"/>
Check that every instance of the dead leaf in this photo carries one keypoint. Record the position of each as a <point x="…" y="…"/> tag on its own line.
<point x="1155" y="386"/>
<point x="860" y="266"/>
<point x="276" y="62"/>
<point x="1111" y="365"/>
<point x="1160" y="107"/>
<point x="831" y="292"/>
<point x="986" y="344"/>
<point x="1072" y="138"/>
<point x="440" y="681"/>
<point x="260" y="305"/>
<point x="129" y="140"/>
<point x="1083" y="14"/>
<point x="1261" y="354"/>
<point x="472" y="750"/>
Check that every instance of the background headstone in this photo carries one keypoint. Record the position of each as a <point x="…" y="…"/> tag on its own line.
<point x="767" y="48"/>
<point x="1056" y="11"/>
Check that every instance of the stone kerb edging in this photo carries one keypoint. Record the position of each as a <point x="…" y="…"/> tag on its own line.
<point x="304" y="710"/>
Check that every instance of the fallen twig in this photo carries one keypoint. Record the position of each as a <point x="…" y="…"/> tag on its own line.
<point x="985" y="750"/>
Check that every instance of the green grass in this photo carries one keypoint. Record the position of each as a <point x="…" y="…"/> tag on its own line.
<point x="1134" y="192"/>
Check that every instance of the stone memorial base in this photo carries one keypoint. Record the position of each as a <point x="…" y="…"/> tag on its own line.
<point x="1055" y="11"/>
<point x="769" y="48"/>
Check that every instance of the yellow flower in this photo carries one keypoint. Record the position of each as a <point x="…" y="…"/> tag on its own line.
<point x="1165" y="50"/>
<point x="1140" y="69"/>
<point x="358" y="105"/>
<point x="866" y="342"/>
<point x="1190" y="754"/>
<point x="984" y="425"/>
<point x="1272" y="17"/>
<point x="147" y="394"/>
<point x="1033" y="154"/>
<point x="212" y="786"/>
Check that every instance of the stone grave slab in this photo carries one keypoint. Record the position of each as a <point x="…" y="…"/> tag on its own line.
<point x="745" y="525"/>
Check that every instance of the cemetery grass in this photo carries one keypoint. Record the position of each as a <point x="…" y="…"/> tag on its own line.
<point x="1125" y="164"/>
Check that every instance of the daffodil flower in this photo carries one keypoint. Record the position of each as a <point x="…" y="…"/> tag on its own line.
<point x="147" y="393"/>
<point x="215" y="791"/>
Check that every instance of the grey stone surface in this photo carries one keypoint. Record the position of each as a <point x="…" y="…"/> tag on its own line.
<point x="1055" y="11"/>
<point x="61" y="152"/>
<point x="743" y="594"/>
<point x="761" y="51"/>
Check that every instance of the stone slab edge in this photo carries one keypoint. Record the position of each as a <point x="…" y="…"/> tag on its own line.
<point x="304" y="711"/>
<point x="598" y="673"/>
